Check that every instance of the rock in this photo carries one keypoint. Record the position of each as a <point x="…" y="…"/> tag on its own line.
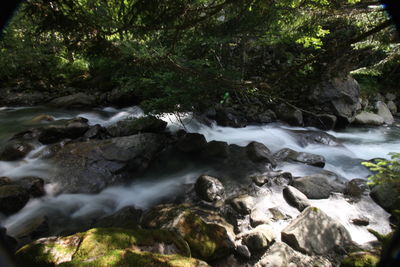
<point x="228" y="117"/>
<point x="12" y="198"/>
<point x="15" y="150"/>
<point x="243" y="204"/>
<point x="43" y="118"/>
<point x="317" y="186"/>
<point x="258" y="217"/>
<point x="243" y="252"/>
<point x="362" y="221"/>
<point x="260" y="180"/>
<point x="88" y="167"/>
<point x="79" y="100"/>
<point x="360" y="259"/>
<point x="321" y="121"/>
<point x="288" y="154"/>
<point x="71" y="129"/>
<point x="5" y="181"/>
<point x="127" y="217"/>
<point x="209" y="188"/>
<point x="148" y="124"/>
<point x="259" y="238"/>
<point x="307" y="137"/>
<point x="34" y="185"/>
<point x="8" y="243"/>
<point x="281" y="255"/>
<point x="289" y="114"/>
<point x="356" y="188"/>
<point x="384" y="112"/>
<point x="192" y="142"/>
<point x="340" y="96"/>
<point x="209" y="236"/>
<point x="216" y="149"/>
<point x="96" y="132"/>
<point x="267" y="116"/>
<point x="277" y="214"/>
<point x="109" y="246"/>
<point x="315" y="233"/>
<point x="258" y="152"/>
<point x="368" y="118"/>
<point x="390" y="97"/>
<point x="392" y="107"/>
<point x="386" y="196"/>
<point x="296" y="198"/>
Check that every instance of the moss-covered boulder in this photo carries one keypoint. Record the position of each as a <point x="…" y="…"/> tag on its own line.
<point x="109" y="247"/>
<point x="360" y="259"/>
<point x="209" y="236"/>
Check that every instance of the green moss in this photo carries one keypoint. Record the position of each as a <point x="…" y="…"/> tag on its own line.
<point x="360" y="259"/>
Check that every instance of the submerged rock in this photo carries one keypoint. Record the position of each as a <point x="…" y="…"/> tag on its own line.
<point x="314" y="232"/>
<point x="209" y="188"/>
<point x="288" y="154"/>
<point x="109" y="247"/>
<point x="12" y="198"/>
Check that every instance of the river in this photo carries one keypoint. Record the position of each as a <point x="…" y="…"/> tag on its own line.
<point x="66" y="212"/>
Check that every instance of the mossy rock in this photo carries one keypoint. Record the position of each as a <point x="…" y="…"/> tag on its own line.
<point x="209" y="236"/>
<point x="100" y="245"/>
<point x="360" y="259"/>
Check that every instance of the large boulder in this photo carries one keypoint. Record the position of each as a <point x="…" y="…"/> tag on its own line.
<point x="12" y="198"/>
<point x="109" y="247"/>
<point x="88" y="167"/>
<point x="288" y="154"/>
<point x="209" y="236"/>
<point x="386" y="196"/>
<point x="209" y="188"/>
<point x="368" y="118"/>
<point x="148" y="124"/>
<point x="317" y="186"/>
<point x="258" y="152"/>
<point x="315" y="233"/>
<point x="282" y="255"/>
<point x="384" y="112"/>
<point x="338" y="96"/>
<point x="296" y="198"/>
<point x="79" y="100"/>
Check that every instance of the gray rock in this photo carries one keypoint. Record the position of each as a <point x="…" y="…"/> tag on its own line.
<point x="384" y="112"/>
<point x="362" y="221"/>
<point x="267" y="116"/>
<point x="97" y="132"/>
<point x="386" y="196"/>
<point x="321" y="121"/>
<point x="192" y="142"/>
<point x="296" y="198"/>
<point x="356" y="188"/>
<point x="243" y="252"/>
<point x="258" y="217"/>
<point x="228" y="117"/>
<point x="307" y="137"/>
<point x="34" y="185"/>
<point x="315" y="233"/>
<point x="317" y="186"/>
<point x="259" y="238"/>
<point x="216" y="149"/>
<point x="148" y="124"/>
<point x="288" y="114"/>
<point x="15" y="150"/>
<point x="258" y="152"/>
<point x="12" y="198"/>
<point x="390" y="97"/>
<point x="79" y="100"/>
<point x="392" y="107"/>
<point x="70" y="129"/>
<point x="281" y="255"/>
<point x="243" y="204"/>
<point x="209" y="188"/>
<point x="302" y="157"/>
<point x="368" y="118"/>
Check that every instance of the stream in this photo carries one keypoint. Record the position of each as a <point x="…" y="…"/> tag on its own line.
<point x="67" y="211"/>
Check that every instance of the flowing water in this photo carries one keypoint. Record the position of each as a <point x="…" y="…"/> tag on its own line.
<point x="65" y="211"/>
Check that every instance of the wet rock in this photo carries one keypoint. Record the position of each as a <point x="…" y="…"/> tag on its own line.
<point x="307" y="137"/>
<point x="96" y="132"/>
<point x="281" y="255"/>
<point x="192" y="142"/>
<point x="392" y="107"/>
<point x="88" y="167"/>
<point x="127" y="217"/>
<point x="79" y="100"/>
<point x="260" y="180"/>
<point x="277" y="214"/>
<point x="148" y="124"/>
<point x="209" y="236"/>
<point x="259" y="217"/>
<point x="356" y="188"/>
<point x="288" y="154"/>
<point x="267" y="116"/>
<point x="104" y="246"/>
<point x="296" y="198"/>
<point x="360" y="259"/>
<point x="368" y="118"/>
<point x="216" y="149"/>
<point x="289" y="114"/>
<point x="384" y="112"/>
<point x="34" y="185"/>
<point x="228" y="117"/>
<point x="386" y="196"/>
<point x="259" y="238"/>
<point x="12" y="198"/>
<point x="315" y="233"/>
<point x="362" y="221"/>
<point x="209" y="188"/>
<point x="272" y="177"/>
<point x="15" y="150"/>
<point x="5" y="181"/>
<point x="243" y="204"/>
<point x="71" y="129"/>
<point x="320" y="121"/>
<point x="317" y="186"/>
<point x="258" y="152"/>
<point x="243" y="252"/>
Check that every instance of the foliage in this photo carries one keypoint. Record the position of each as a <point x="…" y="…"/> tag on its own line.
<point x="385" y="171"/>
